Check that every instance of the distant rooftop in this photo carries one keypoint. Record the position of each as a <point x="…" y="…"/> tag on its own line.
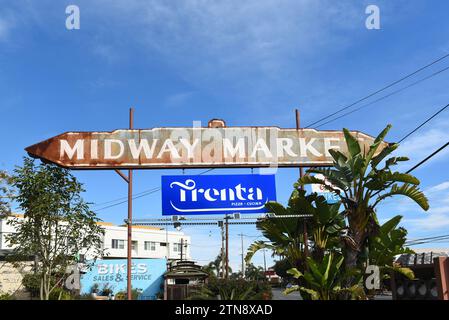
<point x="422" y="256"/>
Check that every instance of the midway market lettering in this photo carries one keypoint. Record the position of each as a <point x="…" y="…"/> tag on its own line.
<point x="194" y="147"/>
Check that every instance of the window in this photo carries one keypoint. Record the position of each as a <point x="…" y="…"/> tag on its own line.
<point x="118" y="244"/>
<point x="134" y="245"/>
<point x="150" y="246"/>
<point x="176" y="247"/>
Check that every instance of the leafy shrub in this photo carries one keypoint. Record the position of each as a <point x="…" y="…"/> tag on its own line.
<point x="85" y="296"/>
<point x="106" y="290"/>
<point x="60" y="294"/>
<point x="233" y="289"/>
<point x="6" y="296"/>
<point x="122" y="295"/>
<point x="32" y="283"/>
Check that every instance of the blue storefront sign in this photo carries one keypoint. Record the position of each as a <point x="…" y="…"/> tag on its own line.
<point x="217" y="194"/>
<point x="331" y="197"/>
<point x="146" y="276"/>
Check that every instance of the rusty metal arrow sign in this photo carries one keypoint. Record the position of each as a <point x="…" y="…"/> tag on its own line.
<point x="159" y="148"/>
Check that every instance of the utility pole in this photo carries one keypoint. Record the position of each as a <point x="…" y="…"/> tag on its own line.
<point x="301" y="173"/>
<point x="227" y="247"/>
<point x="129" y="179"/>
<point x="182" y="246"/>
<point x="264" y="261"/>
<point x="220" y="223"/>
<point x="243" y="261"/>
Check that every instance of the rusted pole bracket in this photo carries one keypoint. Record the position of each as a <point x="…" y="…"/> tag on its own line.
<point x="121" y="174"/>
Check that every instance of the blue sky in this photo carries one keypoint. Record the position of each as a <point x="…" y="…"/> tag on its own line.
<point x="248" y="62"/>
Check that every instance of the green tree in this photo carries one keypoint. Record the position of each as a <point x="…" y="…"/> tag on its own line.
<point x="6" y="194"/>
<point x="286" y="235"/>
<point x="281" y="267"/>
<point x="385" y="246"/>
<point x="57" y="225"/>
<point x="254" y="273"/>
<point x="363" y="178"/>
<point x="215" y="267"/>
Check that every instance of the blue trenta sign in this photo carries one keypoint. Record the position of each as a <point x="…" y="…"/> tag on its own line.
<point x="217" y="194"/>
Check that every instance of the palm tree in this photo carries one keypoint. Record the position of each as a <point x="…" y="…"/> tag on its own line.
<point x="214" y="267"/>
<point x="285" y="235"/>
<point x="254" y="273"/>
<point x="362" y="184"/>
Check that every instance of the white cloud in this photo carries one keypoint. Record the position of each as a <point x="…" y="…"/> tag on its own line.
<point x="437" y="218"/>
<point x="424" y="142"/>
<point x="226" y="43"/>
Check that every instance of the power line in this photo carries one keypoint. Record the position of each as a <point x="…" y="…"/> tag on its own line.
<point x="422" y="124"/>
<point x="122" y="198"/>
<point x="126" y="198"/>
<point x="383" y="97"/>
<point x="428" y="157"/>
<point x="443" y="240"/>
<point x="428" y="238"/>
<point x="378" y="91"/>
<point x="432" y="154"/>
<point x="419" y="163"/>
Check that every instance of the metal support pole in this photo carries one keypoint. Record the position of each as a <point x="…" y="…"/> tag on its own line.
<point x="227" y="248"/>
<point x="243" y="260"/>
<point x="182" y="247"/>
<point x="130" y="216"/>
<point x="222" y="250"/>
<point x="301" y="173"/>
<point x="264" y="262"/>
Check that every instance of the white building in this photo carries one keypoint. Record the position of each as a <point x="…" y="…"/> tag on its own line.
<point x="148" y="241"/>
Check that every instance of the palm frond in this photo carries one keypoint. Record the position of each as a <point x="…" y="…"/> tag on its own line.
<point x="385" y="152"/>
<point x="352" y="143"/>
<point x="407" y="190"/>
<point x="254" y="247"/>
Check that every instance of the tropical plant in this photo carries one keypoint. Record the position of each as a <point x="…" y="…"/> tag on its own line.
<point x="60" y="293"/>
<point x="254" y="273"/>
<point x="324" y="280"/>
<point x="281" y="267"/>
<point x="122" y="295"/>
<point x="386" y="245"/>
<point x="232" y="289"/>
<point x="362" y="183"/>
<point x="286" y="235"/>
<point x="215" y="267"/>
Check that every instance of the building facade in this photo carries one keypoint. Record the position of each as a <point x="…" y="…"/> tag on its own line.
<point x="147" y="241"/>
